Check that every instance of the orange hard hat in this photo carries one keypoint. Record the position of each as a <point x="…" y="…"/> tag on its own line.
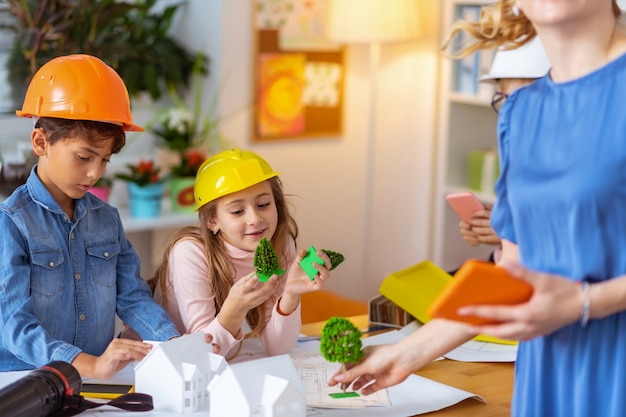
<point x="79" y="87"/>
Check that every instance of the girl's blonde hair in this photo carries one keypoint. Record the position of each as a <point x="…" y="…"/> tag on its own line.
<point x="221" y="270"/>
<point x="498" y="26"/>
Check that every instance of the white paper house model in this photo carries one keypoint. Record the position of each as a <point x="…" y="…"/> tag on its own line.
<point x="176" y="373"/>
<point x="268" y="387"/>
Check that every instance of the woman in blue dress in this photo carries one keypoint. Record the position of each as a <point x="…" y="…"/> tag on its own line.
<point x="561" y="213"/>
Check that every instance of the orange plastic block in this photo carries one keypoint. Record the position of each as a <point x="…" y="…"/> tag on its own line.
<point x="479" y="283"/>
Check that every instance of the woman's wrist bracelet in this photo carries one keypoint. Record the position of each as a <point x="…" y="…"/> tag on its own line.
<point x="584" y="313"/>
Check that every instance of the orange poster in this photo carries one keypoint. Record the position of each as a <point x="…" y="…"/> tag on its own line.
<point x="281" y="88"/>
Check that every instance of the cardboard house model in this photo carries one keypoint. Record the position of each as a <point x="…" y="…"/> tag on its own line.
<point x="268" y="387"/>
<point x="176" y="373"/>
<point x="184" y="376"/>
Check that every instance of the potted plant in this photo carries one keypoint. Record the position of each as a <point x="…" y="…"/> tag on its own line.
<point x="132" y="37"/>
<point x="145" y="188"/>
<point x="102" y="188"/>
<point x="190" y="136"/>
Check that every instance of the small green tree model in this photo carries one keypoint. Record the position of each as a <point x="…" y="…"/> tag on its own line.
<point x="341" y="342"/>
<point x="266" y="261"/>
<point x="335" y="258"/>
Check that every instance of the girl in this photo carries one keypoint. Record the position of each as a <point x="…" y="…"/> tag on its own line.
<point x="207" y="281"/>
<point x="560" y="210"/>
<point x="68" y="267"/>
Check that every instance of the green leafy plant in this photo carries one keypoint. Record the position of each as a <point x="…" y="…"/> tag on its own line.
<point x="341" y="342"/>
<point x="186" y="129"/>
<point x="190" y="162"/>
<point x="335" y="258"/>
<point x="132" y="37"/>
<point x="104" y="182"/>
<point x="141" y="173"/>
<point x="266" y="261"/>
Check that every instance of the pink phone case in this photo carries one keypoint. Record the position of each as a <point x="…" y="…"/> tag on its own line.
<point x="464" y="204"/>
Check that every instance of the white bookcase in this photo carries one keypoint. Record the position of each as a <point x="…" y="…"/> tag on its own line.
<point x="466" y="123"/>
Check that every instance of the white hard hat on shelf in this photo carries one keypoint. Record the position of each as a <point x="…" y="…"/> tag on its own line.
<point x="527" y="61"/>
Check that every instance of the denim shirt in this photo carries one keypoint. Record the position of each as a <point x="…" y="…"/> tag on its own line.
<point x="62" y="282"/>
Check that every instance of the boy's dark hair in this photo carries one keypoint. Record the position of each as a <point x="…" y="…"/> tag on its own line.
<point x="93" y="132"/>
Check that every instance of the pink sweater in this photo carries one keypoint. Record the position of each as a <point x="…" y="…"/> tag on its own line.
<point x="191" y="306"/>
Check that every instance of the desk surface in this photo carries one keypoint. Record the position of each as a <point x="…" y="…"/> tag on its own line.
<point x="492" y="381"/>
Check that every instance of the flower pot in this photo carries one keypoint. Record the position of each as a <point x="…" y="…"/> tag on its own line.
<point x="145" y="202"/>
<point x="101" y="192"/>
<point x="181" y="194"/>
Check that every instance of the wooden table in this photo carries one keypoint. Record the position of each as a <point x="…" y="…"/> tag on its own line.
<point x="492" y="381"/>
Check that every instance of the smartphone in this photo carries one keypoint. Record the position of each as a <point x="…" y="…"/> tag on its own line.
<point x="465" y="204"/>
<point x="479" y="283"/>
<point x="100" y="390"/>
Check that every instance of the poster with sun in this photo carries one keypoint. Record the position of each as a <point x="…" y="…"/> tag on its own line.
<point x="298" y="75"/>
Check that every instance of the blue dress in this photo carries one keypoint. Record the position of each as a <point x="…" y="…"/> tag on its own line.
<point x="561" y="198"/>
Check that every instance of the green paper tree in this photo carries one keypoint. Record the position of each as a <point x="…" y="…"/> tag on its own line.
<point x="311" y="257"/>
<point x="341" y="342"/>
<point x="335" y="258"/>
<point x="266" y="261"/>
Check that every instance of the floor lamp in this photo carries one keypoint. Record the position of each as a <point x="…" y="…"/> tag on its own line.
<point x="372" y="22"/>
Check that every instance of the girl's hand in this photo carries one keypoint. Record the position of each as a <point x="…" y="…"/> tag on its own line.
<point x="249" y="292"/>
<point x="298" y="282"/>
<point x="243" y="296"/>
<point x="538" y="316"/>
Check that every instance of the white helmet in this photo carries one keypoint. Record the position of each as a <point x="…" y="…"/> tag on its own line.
<point x="527" y="61"/>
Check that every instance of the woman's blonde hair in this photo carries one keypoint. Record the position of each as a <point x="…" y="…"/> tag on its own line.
<point x="499" y="25"/>
<point x="221" y="270"/>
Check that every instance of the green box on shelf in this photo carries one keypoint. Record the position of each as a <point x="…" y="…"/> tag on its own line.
<point x="482" y="170"/>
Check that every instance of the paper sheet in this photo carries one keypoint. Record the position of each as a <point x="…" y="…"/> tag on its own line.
<point x="416" y="395"/>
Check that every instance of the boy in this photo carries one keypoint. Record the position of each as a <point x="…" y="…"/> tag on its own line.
<point x="68" y="267"/>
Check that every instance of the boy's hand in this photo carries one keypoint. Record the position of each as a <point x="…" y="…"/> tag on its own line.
<point x="117" y="355"/>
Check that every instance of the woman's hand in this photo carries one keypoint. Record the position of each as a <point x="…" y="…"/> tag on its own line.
<point x="387" y="365"/>
<point x="538" y="316"/>
<point x="478" y="230"/>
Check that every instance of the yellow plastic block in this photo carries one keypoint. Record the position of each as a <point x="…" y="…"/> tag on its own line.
<point x="416" y="287"/>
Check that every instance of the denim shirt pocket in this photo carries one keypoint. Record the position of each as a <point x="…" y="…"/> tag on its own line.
<point x="102" y="261"/>
<point x="47" y="272"/>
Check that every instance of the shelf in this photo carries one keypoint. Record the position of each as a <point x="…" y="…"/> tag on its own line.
<point x="466" y="124"/>
<point x="166" y="220"/>
<point x="470" y="99"/>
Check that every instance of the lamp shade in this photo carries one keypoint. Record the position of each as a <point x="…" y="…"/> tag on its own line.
<point x="366" y="21"/>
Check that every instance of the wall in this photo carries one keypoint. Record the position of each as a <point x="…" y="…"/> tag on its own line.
<point x="381" y="224"/>
<point x="327" y="177"/>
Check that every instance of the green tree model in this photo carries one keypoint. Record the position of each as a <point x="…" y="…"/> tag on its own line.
<point x="335" y="258"/>
<point x="266" y="261"/>
<point x="341" y="342"/>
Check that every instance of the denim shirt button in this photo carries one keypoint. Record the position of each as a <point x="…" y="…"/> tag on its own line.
<point x="51" y="264"/>
<point x="106" y="254"/>
<point x="76" y="277"/>
<point x="82" y="317"/>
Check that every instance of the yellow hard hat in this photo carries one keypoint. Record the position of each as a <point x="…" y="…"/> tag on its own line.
<point x="79" y="87"/>
<point x="228" y="172"/>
